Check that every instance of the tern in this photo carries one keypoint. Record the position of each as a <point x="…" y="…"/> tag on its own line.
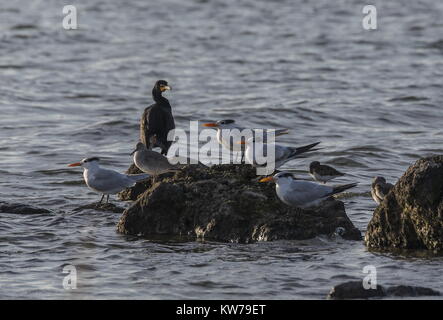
<point x="151" y="162"/>
<point x="300" y="193"/>
<point x="106" y="181"/>
<point x="230" y="125"/>
<point x="157" y="120"/>
<point x="283" y="154"/>
<point x="322" y="172"/>
<point x="380" y="188"/>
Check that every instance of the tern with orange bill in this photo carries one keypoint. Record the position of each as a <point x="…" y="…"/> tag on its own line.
<point x="300" y="193"/>
<point x="229" y="134"/>
<point x="106" y="181"/>
<point x="283" y="154"/>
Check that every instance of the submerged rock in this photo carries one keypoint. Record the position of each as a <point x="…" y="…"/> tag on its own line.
<point x="411" y="215"/>
<point x="224" y="203"/>
<point x="410" y="291"/>
<point x="19" y="208"/>
<point x="355" y="290"/>
<point x="106" y="207"/>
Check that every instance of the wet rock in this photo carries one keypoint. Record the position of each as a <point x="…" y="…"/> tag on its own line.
<point x="133" y="193"/>
<point x="224" y="203"/>
<point x="19" y="208"/>
<point x="106" y="207"/>
<point x="355" y="290"/>
<point x="409" y="291"/>
<point x="411" y="215"/>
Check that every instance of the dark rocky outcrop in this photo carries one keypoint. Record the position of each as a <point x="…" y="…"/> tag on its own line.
<point x="355" y="290"/>
<point x="411" y="215"/>
<point x="410" y="291"/>
<point x="19" y="208"/>
<point x="224" y="203"/>
<point x="131" y="194"/>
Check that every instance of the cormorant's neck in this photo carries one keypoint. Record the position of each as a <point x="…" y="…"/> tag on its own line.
<point x="157" y="96"/>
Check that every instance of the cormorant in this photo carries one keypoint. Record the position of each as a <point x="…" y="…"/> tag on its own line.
<point x="157" y="120"/>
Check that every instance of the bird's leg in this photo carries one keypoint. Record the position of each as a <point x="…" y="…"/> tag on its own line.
<point x="101" y="199"/>
<point x="242" y="157"/>
<point x="107" y="199"/>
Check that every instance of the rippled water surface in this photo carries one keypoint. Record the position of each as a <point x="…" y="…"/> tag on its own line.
<point x="374" y="99"/>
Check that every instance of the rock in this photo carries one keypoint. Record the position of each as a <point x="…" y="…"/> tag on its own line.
<point x="131" y="194"/>
<point x="106" y="207"/>
<point x="411" y="215"/>
<point x="409" y="291"/>
<point x="224" y="203"/>
<point x="355" y="290"/>
<point x="18" y="208"/>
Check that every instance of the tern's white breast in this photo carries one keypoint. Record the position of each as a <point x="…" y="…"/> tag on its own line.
<point x="286" y="192"/>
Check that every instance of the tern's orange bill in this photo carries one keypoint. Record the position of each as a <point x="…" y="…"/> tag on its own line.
<point x="210" y="125"/>
<point x="77" y="164"/>
<point x="267" y="179"/>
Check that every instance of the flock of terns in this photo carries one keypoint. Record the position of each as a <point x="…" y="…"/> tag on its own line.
<point x="156" y="122"/>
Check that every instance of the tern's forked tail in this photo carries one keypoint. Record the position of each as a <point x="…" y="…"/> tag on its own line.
<point x="303" y="149"/>
<point x="342" y="188"/>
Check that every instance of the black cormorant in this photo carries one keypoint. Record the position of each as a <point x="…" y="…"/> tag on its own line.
<point x="157" y="120"/>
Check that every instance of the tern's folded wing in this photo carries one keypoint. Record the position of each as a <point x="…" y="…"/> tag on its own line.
<point x="111" y="180"/>
<point x="306" y="191"/>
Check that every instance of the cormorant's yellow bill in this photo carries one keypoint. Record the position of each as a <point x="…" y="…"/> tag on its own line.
<point x="267" y="179"/>
<point x="164" y="88"/>
<point x="212" y="124"/>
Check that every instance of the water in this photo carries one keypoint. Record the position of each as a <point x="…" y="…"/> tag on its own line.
<point x="374" y="99"/>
